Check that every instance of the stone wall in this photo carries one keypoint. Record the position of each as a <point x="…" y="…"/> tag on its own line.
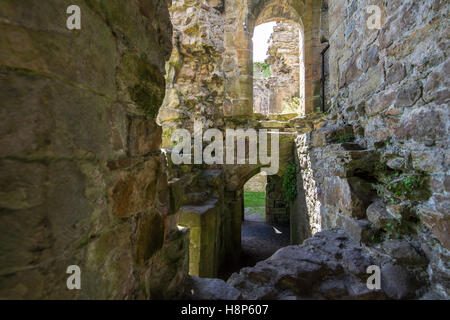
<point x="277" y="207"/>
<point x="383" y="153"/>
<point x="284" y="59"/>
<point x="195" y="81"/>
<point x="262" y="92"/>
<point x="83" y="181"/>
<point x="240" y="19"/>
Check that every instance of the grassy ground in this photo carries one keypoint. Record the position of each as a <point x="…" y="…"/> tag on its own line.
<point x="255" y="203"/>
<point x="254" y="199"/>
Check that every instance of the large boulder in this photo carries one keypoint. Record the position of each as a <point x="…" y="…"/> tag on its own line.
<point x="328" y="266"/>
<point x="397" y="282"/>
<point x="210" y="289"/>
<point x="378" y="215"/>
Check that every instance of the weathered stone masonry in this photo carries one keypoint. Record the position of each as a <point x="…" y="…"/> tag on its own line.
<point x="389" y="101"/>
<point x="83" y="181"/>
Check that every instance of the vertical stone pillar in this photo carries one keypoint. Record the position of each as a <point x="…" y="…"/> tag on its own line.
<point x="313" y="61"/>
<point x="203" y="224"/>
<point x="238" y="62"/>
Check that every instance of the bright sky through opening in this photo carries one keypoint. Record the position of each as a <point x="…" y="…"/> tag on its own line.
<point x="261" y="38"/>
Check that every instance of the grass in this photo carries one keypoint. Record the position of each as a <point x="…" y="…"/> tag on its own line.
<point x="254" y="199"/>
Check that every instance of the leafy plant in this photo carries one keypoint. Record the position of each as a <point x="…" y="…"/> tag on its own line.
<point x="377" y="235"/>
<point x="397" y="187"/>
<point x="290" y="182"/>
<point x="395" y="229"/>
<point x="262" y="67"/>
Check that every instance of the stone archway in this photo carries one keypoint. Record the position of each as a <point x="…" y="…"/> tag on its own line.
<point x="242" y="17"/>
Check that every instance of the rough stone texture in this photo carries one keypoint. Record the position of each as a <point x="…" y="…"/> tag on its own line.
<point x="82" y="179"/>
<point x="378" y="215"/>
<point x="327" y="266"/>
<point x="332" y="266"/>
<point x="209" y="79"/>
<point x="396" y="282"/>
<point x="210" y="289"/>
<point x="277" y="207"/>
<point x="195" y="81"/>
<point x="240" y="19"/>
<point x="389" y="98"/>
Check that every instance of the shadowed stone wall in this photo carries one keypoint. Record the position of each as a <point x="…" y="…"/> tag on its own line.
<point x="82" y="178"/>
<point x="382" y="158"/>
<point x="277" y="207"/>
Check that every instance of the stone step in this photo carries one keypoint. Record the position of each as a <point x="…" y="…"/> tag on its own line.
<point x="199" y="209"/>
<point x="273" y="124"/>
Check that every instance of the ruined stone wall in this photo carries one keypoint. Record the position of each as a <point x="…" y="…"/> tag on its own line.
<point x="277" y="207"/>
<point x="262" y="91"/>
<point x="83" y="181"/>
<point x="388" y="130"/>
<point x="196" y="92"/>
<point x="240" y="19"/>
<point x="195" y="81"/>
<point x="238" y="59"/>
<point x="284" y="60"/>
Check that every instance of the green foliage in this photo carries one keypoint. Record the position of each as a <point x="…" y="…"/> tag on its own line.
<point x="290" y="182"/>
<point x="343" y="138"/>
<point x="397" y="187"/>
<point x="406" y="186"/>
<point x="262" y="67"/>
<point x="380" y="167"/>
<point x="254" y="199"/>
<point x="395" y="229"/>
<point x="377" y="235"/>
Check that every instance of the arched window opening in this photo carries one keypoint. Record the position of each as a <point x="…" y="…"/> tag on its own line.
<point x="278" y="68"/>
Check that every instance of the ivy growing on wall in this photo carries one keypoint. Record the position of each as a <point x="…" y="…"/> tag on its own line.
<point x="290" y="182"/>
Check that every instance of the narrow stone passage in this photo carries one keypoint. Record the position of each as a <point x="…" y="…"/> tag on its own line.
<point x="260" y="240"/>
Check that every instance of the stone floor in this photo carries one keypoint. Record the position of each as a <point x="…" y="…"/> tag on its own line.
<point x="260" y="240"/>
<point x="256" y="214"/>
